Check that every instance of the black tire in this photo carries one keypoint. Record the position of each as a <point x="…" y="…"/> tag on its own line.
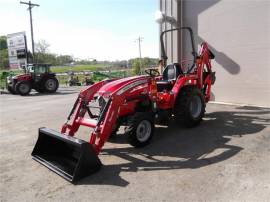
<point x="50" y="85"/>
<point x="140" y="129"/>
<point x="23" y="87"/>
<point x="11" y="90"/>
<point x="189" y="107"/>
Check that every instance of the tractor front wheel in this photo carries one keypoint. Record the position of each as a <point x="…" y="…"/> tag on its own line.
<point x="11" y="90"/>
<point x="51" y="85"/>
<point x="140" y="129"/>
<point x="189" y="107"/>
<point x="23" y="87"/>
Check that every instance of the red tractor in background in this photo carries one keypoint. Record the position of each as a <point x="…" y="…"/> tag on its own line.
<point x="135" y="102"/>
<point x="36" y="76"/>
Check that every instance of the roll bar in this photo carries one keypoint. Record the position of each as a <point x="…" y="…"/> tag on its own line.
<point x="163" y="53"/>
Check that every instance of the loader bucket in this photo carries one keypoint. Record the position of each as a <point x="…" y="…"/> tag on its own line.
<point x="67" y="156"/>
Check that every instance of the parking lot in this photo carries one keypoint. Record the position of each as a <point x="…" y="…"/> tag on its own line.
<point x="226" y="158"/>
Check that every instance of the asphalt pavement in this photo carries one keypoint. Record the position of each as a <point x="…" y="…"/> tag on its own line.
<point x="225" y="158"/>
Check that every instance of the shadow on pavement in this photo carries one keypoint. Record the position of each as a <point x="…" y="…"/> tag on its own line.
<point x="204" y="145"/>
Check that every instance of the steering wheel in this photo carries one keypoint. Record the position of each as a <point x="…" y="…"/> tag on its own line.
<point x="152" y="72"/>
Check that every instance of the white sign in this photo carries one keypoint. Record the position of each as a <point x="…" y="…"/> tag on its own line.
<point x="17" y="49"/>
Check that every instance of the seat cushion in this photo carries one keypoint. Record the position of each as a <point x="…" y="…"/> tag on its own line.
<point x="170" y="74"/>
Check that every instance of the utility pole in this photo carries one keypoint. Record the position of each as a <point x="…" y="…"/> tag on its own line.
<point x="30" y="6"/>
<point x="139" y="40"/>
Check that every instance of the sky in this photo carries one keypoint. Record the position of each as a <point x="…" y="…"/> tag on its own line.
<point x="99" y="29"/>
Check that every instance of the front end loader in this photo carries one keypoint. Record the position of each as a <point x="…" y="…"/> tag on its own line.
<point x="73" y="158"/>
<point x="136" y="102"/>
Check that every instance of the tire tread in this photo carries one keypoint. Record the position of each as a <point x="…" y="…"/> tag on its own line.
<point x="181" y="109"/>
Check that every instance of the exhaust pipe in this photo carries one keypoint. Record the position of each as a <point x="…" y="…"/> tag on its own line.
<point x="69" y="157"/>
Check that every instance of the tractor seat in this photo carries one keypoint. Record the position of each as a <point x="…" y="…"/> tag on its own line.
<point x="169" y="76"/>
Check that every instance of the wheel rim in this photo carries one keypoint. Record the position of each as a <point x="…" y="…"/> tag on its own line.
<point x="195" y="107"/>
<point x="50" y="84"/>
<point x="144" y="130"/>
<point x="24" y="88"/>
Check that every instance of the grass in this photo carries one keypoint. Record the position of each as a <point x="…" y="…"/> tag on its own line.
<point x="15" y="71"/>
<point x="77" y="68"/>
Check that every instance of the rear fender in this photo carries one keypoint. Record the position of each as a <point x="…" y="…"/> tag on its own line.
<point x="181" y="83"/>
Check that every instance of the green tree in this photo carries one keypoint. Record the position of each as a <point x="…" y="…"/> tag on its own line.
<point x="4" y="64"/>
<point x="136" y="64"/>
<point x="3" y="42"/>
<point x="3" y="53"/>
<point x="64" y="59"/>
<point x="146" y="62"/>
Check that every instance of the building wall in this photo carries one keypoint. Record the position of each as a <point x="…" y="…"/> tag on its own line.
<point x="171" y="40"/>
<point x="238" y="33"/>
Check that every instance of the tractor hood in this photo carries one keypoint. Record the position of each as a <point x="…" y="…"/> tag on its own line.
<point x="21" y="76"/>
<point x="119" y="83"/>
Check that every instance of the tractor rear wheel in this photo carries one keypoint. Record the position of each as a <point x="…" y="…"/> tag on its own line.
<point x="23" y="87"/>
<point x="51" y="85"/>
<point x="140" y="129"/>
<point x="189" y="107"/>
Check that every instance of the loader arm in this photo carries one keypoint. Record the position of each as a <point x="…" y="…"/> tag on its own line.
<point x="79" y="108"/>
<point x="103" y="125"/>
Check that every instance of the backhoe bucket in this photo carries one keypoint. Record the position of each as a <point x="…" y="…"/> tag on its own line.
<point x="69" y="157"/>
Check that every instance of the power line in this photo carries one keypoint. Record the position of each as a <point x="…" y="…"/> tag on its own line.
<point x="30" y="6"/>
<point x="139" y="40"/>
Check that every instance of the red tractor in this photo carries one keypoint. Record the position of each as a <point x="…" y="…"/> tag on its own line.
<point x="36" y="76"/>
<point x="135" y="102"/>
